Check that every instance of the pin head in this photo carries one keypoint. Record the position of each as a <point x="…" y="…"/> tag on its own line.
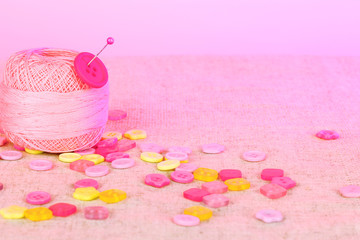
<point x="110" y="41"/>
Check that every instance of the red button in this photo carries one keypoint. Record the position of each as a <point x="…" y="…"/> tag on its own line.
<point x="63" y="209"/>
<point x="95" y="75"/>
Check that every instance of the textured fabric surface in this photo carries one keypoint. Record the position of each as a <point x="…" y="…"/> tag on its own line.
<point x="271" y="104"/>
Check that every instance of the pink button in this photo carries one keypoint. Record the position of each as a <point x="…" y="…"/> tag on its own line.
<point x="116" y="155"/>
<point x="86" y="151"/>
<point x="189" y="167"/>
<point x="269" y="216"/>
<point x="106" y="151"/>
<point x="96" y="212"/>
<point x="107" y="143"/>
<point x="19" y="148"/>
<point x="11" y="155"/>
<point x="97" y="171"/>
<point x="350" y="191"/>
<point x="81" y="165"/>
<point x="41" y="165"/>
<point x="115" y="115"/>
<point x="3" y="140"/>
<point x="95" y="75"/>
<point x="254" y="156"/>
<point x="216" y="200"/>
<point x="285" y="182"/>
<point x="123" y="163"/>
<point x="63" y="209"/>
<point x="215" y="187"/>
<point x="176" y="156"/>
<point x="226" y="174"/>
<point x="186" y="220"/>
<point x="151" y="147"/>
<point x="195" y="194"/>
<point x="213" y="148"/>
<point x="38" y="198"/>
<point x="327" y="135"/>
<point x="182" y="176"/>
<point x="180" y="149"/>
<point x="156" y="180"/>
<point x="273" y="191"/>
<point x="269" y="173"/>
<point x="1" y="186"/>
<point x="87" y="182"/>
<point x="125" y="145"/>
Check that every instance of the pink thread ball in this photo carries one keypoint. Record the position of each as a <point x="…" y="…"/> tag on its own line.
<point x="48" y="70"/>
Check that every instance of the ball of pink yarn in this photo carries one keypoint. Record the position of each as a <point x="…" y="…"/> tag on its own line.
<point x="47" y="70"/>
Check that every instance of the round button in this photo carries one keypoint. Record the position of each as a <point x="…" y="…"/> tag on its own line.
<point x="95" y="75"/>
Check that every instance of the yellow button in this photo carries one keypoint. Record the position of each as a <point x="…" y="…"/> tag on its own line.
<point x="135" y="134"/>
<point x="69" y="157"/>
<point x="112" y="196"/>
<point x="108" y="135"/>
<point x="95" y="158"/>
<point x="168" y="165"/>
<point x="13" y="212"/>
<point x="201" y="212"/>
<point x="38" y="214"/>
<point x="152" y="157"/>
<point x="86" y="193"/>
<point x="32" y="151"/>
<point x="237" y="184"/>
<point x="205" y="174"/>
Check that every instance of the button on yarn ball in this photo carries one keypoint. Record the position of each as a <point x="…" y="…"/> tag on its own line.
<point x="46" y="106"/>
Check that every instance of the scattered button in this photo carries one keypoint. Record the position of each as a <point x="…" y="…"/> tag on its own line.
<point x="237" y="184"/>
<point x="205" y="174"/>
<point x="189" y="167"/>
<point x="152" y="157"/>
<point x="108" y="135"/>
<point x="96" y="212"/>
<point x="285" y="182"/>
<point x="269" y="173"/>
<point x="69" y="157"/>
<point x="226" y="174"/>
<point x="97" y="171"/>
<point x="112" y="196"/>
<point x="216" y="200"/>
<point x="195" y="194"/>
<point x="41" y="165"/>
<point x="213" y="148"/>
<point x="168" y="165"/>
<point x="350" y="191"/>
<point x="123" y="163"/>
<point x="327" y="135"/>
<point x="63" y="209"/>
<point x="87" y="182"/>
<point x="13" y="212"/>
<point x="125" y="145"/>
<point x="157" y="180"/>
<point x="254" y="156"/>
<point x="107" y="143"/>
<point x="86" y="194"/>
<point x="81" y="165"/>
<point x="273" y="191"/>
<point x="180" y="156"/>
<point x="95" y="158"/>
<point x="11" y="155"/>
<point x="38" y="214"/>
<point x="269" y="216"/>
<point x="135" y="134"/>
<point x="33" y="151"/>
<point x="186" y="220"/>
<point x="201" y="212"/>
<point x="182" y="176"/>
<point x="116" y="155"/>
<point x="116" y="115"/>
<point x="215" y="187"/>
<point x="38" y="198"/>
<point x="186" y="150"/>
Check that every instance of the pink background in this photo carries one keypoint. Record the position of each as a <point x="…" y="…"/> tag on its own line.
<point x="183" y="27"/>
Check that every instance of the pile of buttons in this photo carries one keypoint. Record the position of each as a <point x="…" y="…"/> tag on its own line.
<point x="111" y="149"/>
